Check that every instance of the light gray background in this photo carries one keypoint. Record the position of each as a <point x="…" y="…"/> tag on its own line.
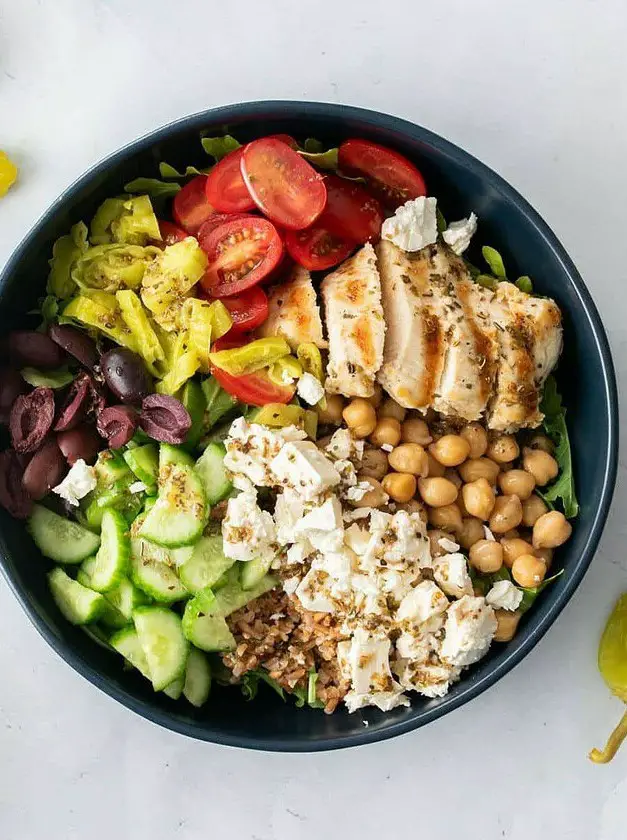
<point x="535" y="89"/>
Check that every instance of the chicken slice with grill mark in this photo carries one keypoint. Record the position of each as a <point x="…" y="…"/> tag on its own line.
<point x="294" y="313"/>
<point x="355" y="325"/>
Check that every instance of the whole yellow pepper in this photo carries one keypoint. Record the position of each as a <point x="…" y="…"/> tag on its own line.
<point x="613" y="668"/>
<point x="8" y="173"/>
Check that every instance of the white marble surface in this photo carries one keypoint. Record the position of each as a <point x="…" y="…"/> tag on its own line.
<point x="536" y="90"/>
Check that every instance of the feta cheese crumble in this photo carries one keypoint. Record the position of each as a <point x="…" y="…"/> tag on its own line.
<point x="80" y="480"/>
<point x="413" y="226"/>
<point x="468" y="632"/>
<point x="301" y="466"/>
<point x="458" y="234"/>
<point x="504" y="596"/>
<point x="247" y="531"/>
<point x="309" y="389"/>
<point x="451" y="574"/>
<point x="137" y="487"/>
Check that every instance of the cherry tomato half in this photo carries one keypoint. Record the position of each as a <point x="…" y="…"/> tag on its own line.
<point x="248" y="310"/>
<point x="252" y="388"/>
<point x="284" y="186"/>
<point x="316" y="248"/>
<point x="171" y="233"/>
<point x="351" y="212"/>
<point x="390" y="176"/>
<point x="241" y="253"/>
<point x="225" y="188"/>
<point x="214" y="222"/>
<point x="190" y="207"/>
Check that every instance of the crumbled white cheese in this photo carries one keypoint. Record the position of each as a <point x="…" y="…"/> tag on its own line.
<point x="309" y="389"/>
<point x="79" y="481"/>
<point x="323" y="526"/>
<point x="458" y="234"/>
<point x="449" y="546"/>
<point x="247" y="531"/>
<point x="137" y="487"/>
<point x="356" y="492"/>
<point x="357" y="539"/>
<point x="451" y="575"/>
<point x="290" y="585"/>
<point x="341" y="445"/>
<point x="365" y="661"/>
<point x="387" y="447"/>
<point x="249" y="450"/>
<point x="413" y="225"/>
<point x="429" y="678"/>
<point x="504" y="596"/>
<point x="468" y="632"/>
<point x="301" y="466"/>
<point x="422" y="603"/>
<point x="313" y="592"/>
<point x="288" y="511"/>
<point x="488" y="535"/>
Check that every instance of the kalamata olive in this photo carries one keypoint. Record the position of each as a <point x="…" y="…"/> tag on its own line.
<point x="11" y="386"/>
<point x="125" y="374"/>
<point x="117" y="424"/>
<point x="164" y="418"/>
<point x="34" y="349"/>
<point x="13" y="496"/>
<point x="76" y="343"/>
<point x="81" y="442"/>
<point x="44" y="471"/>
<point x="31" y="418"/>
<point x="83" y="398"/>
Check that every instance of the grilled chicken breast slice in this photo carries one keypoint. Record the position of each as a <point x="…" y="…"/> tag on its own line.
<point x="530" y="339"/>
<point x="294" y="313"/>
<point x="355" y="325"/>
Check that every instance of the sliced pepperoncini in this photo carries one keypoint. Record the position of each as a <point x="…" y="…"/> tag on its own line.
<point x="285" y="371"/>
<point x="138" y="322"/>
<point x="250" y="357"/>
<point x="101" y="312"/>
<point x="613" y="667"/>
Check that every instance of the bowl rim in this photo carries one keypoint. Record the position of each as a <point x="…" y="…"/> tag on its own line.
<point x="291" y="108"/>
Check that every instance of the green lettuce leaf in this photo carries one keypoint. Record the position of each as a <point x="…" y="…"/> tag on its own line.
<point x="152" y="187"/>
<point x="218" y="147"/>
<point x="441" y="221"/>
<point x="323" y="160"/>
<point x="47" y="379"/>
<point x="563" y="488"/>
<point x="525" y="285"/>
<point x="312" y="700"/>
<point x="65" y="252"/>
<point x="531" y="593"/>
<point x="495" y="261"/>
<point x="249" y="683"/>
<point x="167" y="171"/>
<point x="487" y="281"/>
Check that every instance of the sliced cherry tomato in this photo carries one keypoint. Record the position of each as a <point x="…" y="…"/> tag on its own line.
<point x="317" y="248"/>
<point x="241" y="253"/>
<point x="252" y="388"/>
<point x="190" y="207"/>
<point x="351" y="212"/>
<point x="284" y="186"/>
<point x="171" y="233"/>
<point x="215" y="221"/>
<point x="284" y="138"/>
<point x="225" y="188"/>
<point x="390" y="176"/>
<point x="248" y="310"/>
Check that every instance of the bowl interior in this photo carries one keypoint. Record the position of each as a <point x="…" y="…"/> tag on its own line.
<point x="585" y="375"/>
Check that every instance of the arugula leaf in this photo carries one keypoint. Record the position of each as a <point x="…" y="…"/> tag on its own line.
<point x="152" y="186"/>
<point x="167" y="171"/>
<point x="525" y="285"/>
<point x="531" y="593"/>
<point x="47" y="379"/>
<point x="563" y="488"/>
<point x="312" y="699"/>
<point x="440" y="220"/>
<point x="495" y="261"/>
<point x="487" y="281"/>
<point x="323" y="160"/>
<point x="249" y="683"/>
<point x="218" y="147"/>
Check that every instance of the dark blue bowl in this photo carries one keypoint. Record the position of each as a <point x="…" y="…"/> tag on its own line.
<point x="586" y="377"/>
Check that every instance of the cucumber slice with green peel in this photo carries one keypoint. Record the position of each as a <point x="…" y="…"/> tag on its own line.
<point x="126" y="642"/>
<point x="97" y="635"/>
<point x="126" y="597"/>
<point x="206" y="565"/>
<point x="149" y="503"/>
<point x="112" y="560"/>
<point x="233" y="596"/>
<point x="163" y="643"/>
<point x="178" y="516"/>
<point x="144" y="463"/>
<point x="77" y="603"/>
<point x="193" y="399"/>
<point x="197" y="683"/>
<point x="175" y="689"/>
<point x="111" y="467"/>
<point x="61" y="539"/>
<point x="208" y="632"/>
<point x="153" y="572"/>
<point x="210" y="468"/>
<point x="253" y="572"/>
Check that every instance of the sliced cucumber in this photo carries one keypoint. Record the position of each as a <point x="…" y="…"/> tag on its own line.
<point x="193" y="398"/>
<point x="233" y="596"/>
<point x="207" y="632"/>
<point x="144" y="463"/>
<point x="113" y="616"/>
<point x="126" y="597"/>
<point x="179" y="514"/>
<point x="206" y="565"/>
<point x="152" y="569"/>
<point x="197" y="684"/>
<point x="253" y="572"/>
<point x="175" y="689"/>
<point x="163" y="642"/>
<point x="210" y="468"/>
<point x="110" y="468"/>
<point x="78" y="604"/>
<point x="112" y="559"/>
<point x="127" y="643"/>
<point x="61" y="539"/>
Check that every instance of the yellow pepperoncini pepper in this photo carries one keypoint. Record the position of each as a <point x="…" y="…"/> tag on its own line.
<point x="309" y="356"/>
<point x="613" y="668"/>
<point x="278" y="416"/>
<point x="250" y="357"/>
<point x="182" y="366"/>
<point x="137" y="320"/>
<point x="285" y="371"/>
<point x="221" y="320"/>
<point x="100" y="311"/>
<point x="8" y="173"/>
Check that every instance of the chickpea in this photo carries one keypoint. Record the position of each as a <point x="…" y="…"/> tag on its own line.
<point x="506" y="625"/>
<point x="447" y="517"/>
<point x="470" y="532"/>
<point x="387" y="432"/>
<point x="506" y="514"/>
<point x="517" y="483"/>
<point x="542" y="442"/>
<point x="450" y="450"/>
<point x="374" y="497"/>
<point x="390" y="408"/>
<point x="542" y="466"/>
<point x="475" y="468"/>
<point x="461" y="504"/>
<point x="546" y="555"/>
<point x="478" y="498"/>
<point x="533" y="508"/>
<point x="477" y="439"/>
<point x="528" y="570"/>
<point x="551" y="529"/>
<point x="486" y="556"/>
<point x="452" y="475"/>
<point x="376" y="399"/>
<point x="513" y="548"/>
<point x="503" y="449"/>
<point x="436" y="470"/>
<point x="414" y="506"/>
<point x="374" y="463"/>
<point x="400" y="486"/>
<point x="437" y="492"/>
<point x="512" y="534"/>
<point x="435" y="535"/>
<point x="333" y="412"/>
<point x="410" y="458"/>
<point x="415" y="430"/>
<point x="360" y="417"/>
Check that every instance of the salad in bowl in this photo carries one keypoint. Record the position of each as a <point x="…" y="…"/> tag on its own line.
<point x="274" y="426"/>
